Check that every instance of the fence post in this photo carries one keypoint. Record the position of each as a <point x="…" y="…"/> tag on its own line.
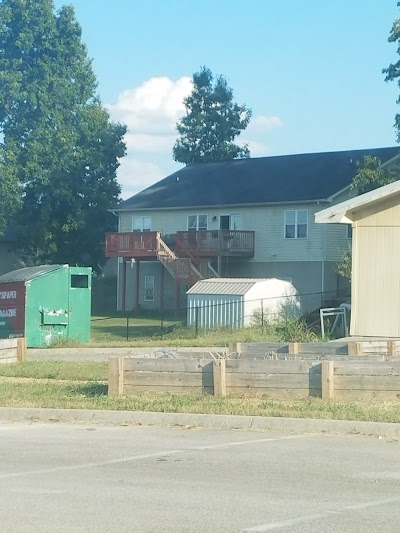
<point x="219" y="377"/>
<point x="127" y="327"/>
<point x="196" y="320"/>
<point x="262" y="316"/>
<point x="355" y="348"/>
<point x="293" y="348"/>
<point x="115" y="376"/>
<point x="391" y="348"/>
<point x="235" y="348"/>
<point x="21" y="350"/>
<point x="327" y="380"/>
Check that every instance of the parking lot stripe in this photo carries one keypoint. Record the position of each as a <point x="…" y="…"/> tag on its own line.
<point x="271" y="526"/>
<point x="144" y="456"/>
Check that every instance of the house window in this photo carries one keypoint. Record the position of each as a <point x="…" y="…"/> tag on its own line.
<point x="198" y="222"/>
<point x="296" y="224"/>
<point x="349" y="230"/>
<point x="149" y="289"/>
<point x="141" y="223"/>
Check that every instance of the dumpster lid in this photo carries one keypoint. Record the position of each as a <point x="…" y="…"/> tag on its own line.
<point x="28" y="273"/>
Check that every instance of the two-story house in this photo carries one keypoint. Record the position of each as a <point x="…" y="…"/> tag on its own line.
<point x="240" y="218"/>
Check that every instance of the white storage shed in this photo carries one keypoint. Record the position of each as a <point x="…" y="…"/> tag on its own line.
<point x="232" y="302"/>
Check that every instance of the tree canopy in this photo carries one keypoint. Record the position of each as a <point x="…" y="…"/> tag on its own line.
<point x="59" y="152"/>
<point x="371" y="174"/>
<point x="392" y="72"/>
<point x="212" y="122"/>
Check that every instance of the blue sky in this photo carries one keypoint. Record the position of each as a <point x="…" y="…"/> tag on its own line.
<point x="310" y="71"/>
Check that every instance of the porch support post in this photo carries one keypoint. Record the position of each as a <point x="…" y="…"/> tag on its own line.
<point x="219" y="264"/>
<point x="178" y="286"/>
<point x="137" y="286"/>
<point x="162" y="289"/>
<point x="123" y="296"/>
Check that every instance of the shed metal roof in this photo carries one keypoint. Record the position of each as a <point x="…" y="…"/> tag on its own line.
<point x="343" y="212"/>
<point x="28" y="273"/>
<point x="234" y="286"/>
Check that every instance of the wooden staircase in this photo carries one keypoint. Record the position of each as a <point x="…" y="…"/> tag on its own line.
<point x="181" y="268"/>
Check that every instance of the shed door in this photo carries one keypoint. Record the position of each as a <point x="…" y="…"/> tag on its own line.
<point x="79" y="305"/>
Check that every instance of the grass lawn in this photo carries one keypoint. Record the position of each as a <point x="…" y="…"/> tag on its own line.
<point x="145" y="330"/>
<point x="58" y="370"/>
<point x="87" y="390"/>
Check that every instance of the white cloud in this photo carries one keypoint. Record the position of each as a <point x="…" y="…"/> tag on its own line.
<point x="262" y="123"/>
<point x="147" y="143"/>
<point x="257" y="148"/>
<point x="135" y="175"/>
<point x="153" y="107"/>
<point x="151" y="112"/>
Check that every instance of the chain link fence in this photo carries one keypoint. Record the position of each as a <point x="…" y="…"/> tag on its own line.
<point x="231" y="314"/>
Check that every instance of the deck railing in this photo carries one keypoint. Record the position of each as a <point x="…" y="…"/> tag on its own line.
<point x="132" y="244"/>
<point x="191" y="244"/>
<point x="214" y="243"/>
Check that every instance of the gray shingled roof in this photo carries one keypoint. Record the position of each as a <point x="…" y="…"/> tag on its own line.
<point x="276" y="179"/>
<point x="28" y="273"/>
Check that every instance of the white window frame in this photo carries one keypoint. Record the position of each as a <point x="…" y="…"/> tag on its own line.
<point x="296" y="224"/>
<point x="197" y="222"/>
<point x="349" y="232"/>
<point x="142" y="219"/>
<point x="149" y="285"/>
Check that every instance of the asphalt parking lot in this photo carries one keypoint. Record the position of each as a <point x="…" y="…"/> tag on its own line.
<point x="80" y="478"/>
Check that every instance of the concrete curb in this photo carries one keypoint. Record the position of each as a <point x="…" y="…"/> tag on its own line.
<point x="228" y="422"/>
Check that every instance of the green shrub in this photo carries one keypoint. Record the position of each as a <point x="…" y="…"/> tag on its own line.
<point x="293" y="329"/>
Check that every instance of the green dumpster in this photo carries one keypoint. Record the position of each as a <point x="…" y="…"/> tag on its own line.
<point x="45" y="304"/>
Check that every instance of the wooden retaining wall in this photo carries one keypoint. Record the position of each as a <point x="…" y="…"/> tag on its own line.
<point x="368" y="381"/>
<point x="12" y="350"/>
<point x="130" y="376"/>
<point x="273" y="379"/>
<point x="269" y="379"/>
<point x="318" y="351"/>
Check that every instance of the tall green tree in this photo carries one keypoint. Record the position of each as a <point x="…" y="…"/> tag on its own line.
<point x="392" y="72"/>
<point x="371" y="174"/>
<point x="60" y="149"/>
<point x="212" y="122"/>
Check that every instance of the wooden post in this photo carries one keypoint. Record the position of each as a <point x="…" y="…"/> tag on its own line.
<point x="162" y="290"/>
<point x="115" y="376"/>
<point x="293" y="348"/>
<point x="328" y="380"/>
<point x="177" y="289"/>
<point x="391" y="348"/>
<point x="235" y="348"/>
<point x="219" y="377"/>
<point x="21" y="350"/>
<point x="123" y="298"/>
<point x="137" y="286"/>
<point x="355" y="348"/>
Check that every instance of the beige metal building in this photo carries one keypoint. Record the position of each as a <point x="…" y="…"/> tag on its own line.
<point x="375" y="291"/>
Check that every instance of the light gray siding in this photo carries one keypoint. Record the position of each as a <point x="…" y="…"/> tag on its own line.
<point x="149" y="268"/>
<point x="267" y="222"/>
